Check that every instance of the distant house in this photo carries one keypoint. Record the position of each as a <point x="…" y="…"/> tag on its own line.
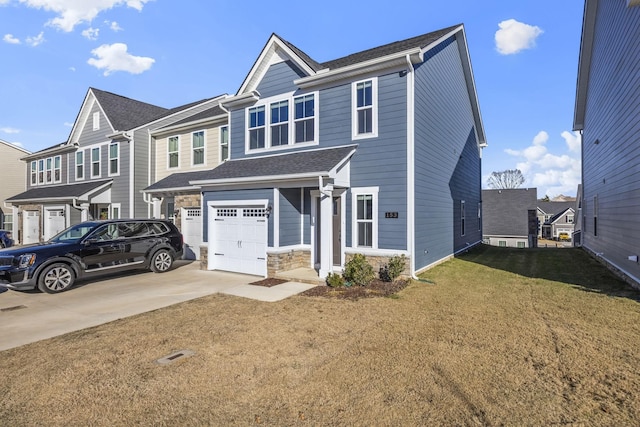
<point x="376" y="153"/>
<point x="13" y="181"/>
<point x="509" y="217"/>
<point x="607" y="113"/>
<point x="555" y="218"/>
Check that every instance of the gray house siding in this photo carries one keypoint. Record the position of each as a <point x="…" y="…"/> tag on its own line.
<point x="290" y="219"/>
<point x="241" y="195"/>
<point x="611" y="137"/>
<point x="444" y="135"/>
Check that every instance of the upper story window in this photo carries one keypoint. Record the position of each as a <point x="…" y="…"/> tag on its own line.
<point x="305" y="112"/>
<point x="224" y="143"/>
<point x="279" y="123"/>
<point x="95" y="162"/>
<point x="114" y="158"/>
<point x="569" y="219"/>
<point x="41" y="171"/>
<point x="173" y="152"/>
<point x="96" y="120"/>
<point x="49" y="170"/>
<point x="34" y="172"/>
<point x="197" y="145"/>
<point x="463" y="217"/>
<point x="256" y="127"/>
<point x="57" y="169"/>
<point x="79" y="164"/>
<point x="365" y="109"/>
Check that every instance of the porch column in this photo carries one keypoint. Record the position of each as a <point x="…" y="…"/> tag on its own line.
<point x="84" y="212"/>
<point x="157" y="207"/>
<point x="326" y="237"/>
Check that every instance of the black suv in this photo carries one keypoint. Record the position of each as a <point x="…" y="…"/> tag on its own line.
<point x="88" y="249"/>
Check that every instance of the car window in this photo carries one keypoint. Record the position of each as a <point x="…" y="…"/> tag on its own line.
<point x="106" y="232"/>
<point x="157" y="228"/>
<point x="73" y="233"/>
<point x="133" y="229"/>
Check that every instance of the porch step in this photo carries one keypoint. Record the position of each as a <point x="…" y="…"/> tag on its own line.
<point x="303" y="275"/>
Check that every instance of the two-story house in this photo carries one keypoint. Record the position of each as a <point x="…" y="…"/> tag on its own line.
<point x="195" y="143"/>
<point x="510" y="217"/>
<point x="606" y="112"/>
<point x="555" y="218"/>
<point x="99" y="171"/>
<point x="13" y="181"/>
<point x="378" y="153"/>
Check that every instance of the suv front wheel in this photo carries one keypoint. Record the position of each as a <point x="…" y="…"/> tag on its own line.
<point x="56" y="278"/>
<point x="161" y="261"/>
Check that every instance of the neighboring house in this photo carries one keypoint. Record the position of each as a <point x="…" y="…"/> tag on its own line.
<point x="555" y="218"/>
<point x="196" y="143"/>
<point x="376" y="153"/>
<point x="510" y="217"/>
<point x="576" y="238"/>
<point x="13" y="181"/>
<point x="99" y="171"/>
<point x="606" y="112"/>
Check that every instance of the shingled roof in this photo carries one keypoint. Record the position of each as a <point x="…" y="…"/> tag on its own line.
<point x="126" y="113"/>
<point x="69" y="191"/>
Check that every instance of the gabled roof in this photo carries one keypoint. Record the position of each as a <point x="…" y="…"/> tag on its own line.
<point x="177" y="181"/>
<point x="300" y="164"/>
<point x="125" y="113"/>
<point x="553" y="208"/>
<point x="60" y="192"/>
<point x="209" y="113"/>
<point x="584" y="62"/>
<point x="14" y="146"/>
<point x="560" y="215"/>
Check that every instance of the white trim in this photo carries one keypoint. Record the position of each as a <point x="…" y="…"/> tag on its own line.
<point x="99" y="148"/>
<point x="374" y="109"/>
<point x="111" y="207"/>
<point x="96" y="120"/>
<point x="411" y="167"/>
<point x="117" y="159"/>
<point x="75" y="165"/>
<point x="276" y="217"/>
<point x="220" y="138"/>
<point x="355" y="192"/>
<point x="204" y="148"/>
<point x="169" y="167"/>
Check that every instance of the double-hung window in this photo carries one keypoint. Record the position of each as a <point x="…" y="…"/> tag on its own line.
<point x="34" y="173"/>
<point x="41" y="171"/>
<point x="49" y="170"/>
<point x="280" y="123"/>
<point x="114" y="158"/>
<point x="365" y="108"/>
<point x="224" y="143"/>
<point x="173" y="152"/>
<point x="95" y="162"/>
<point x="365" y="208"/>
<point x="79" y="164"/>
<point x="197" y="145"/>
<point x="304" y="118"/>
<point x="257" y="127"/>
<point x="57" y="169"/>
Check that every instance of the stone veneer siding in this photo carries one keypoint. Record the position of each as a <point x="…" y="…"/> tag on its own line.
<point x="185" y="201"/>
<point x="378" y="262"/>
<point x="276" y="263"/>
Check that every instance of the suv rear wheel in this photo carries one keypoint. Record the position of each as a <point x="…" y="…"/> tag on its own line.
<point x="56" y="278"/>
<point x="161" y="261"/>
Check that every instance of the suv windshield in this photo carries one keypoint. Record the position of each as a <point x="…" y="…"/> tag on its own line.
<point x="74" y="233"/>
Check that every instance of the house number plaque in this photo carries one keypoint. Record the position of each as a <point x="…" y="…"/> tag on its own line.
<point x="391" y="214"/>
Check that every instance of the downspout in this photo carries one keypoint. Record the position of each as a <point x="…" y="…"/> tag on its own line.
<point x="411" y="226"/>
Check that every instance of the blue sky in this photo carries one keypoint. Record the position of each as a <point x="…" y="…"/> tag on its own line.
<point x="524" y="55"/>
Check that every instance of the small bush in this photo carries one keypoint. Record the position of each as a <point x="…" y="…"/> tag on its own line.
<point x="335" y="280"/>
<point x="358" y="271"/>
<point x="390" y="272"/>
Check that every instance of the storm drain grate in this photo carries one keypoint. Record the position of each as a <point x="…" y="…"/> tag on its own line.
<point x="174" y="357"/>
<point x="14" y="308"/>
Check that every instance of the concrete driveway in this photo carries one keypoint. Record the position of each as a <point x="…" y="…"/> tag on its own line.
<point x="27" y="317"/>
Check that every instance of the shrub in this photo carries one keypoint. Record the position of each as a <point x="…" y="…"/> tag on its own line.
<point x="390" y="272"/>
<point x="358" y="271"/>
<point x="335" y="280"/>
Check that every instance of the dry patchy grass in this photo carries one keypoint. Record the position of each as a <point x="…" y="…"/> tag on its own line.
<point x="499" y="337"/>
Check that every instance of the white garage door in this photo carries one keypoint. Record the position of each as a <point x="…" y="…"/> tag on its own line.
<point x="30" y="227"/>
<point x="238" y="240"/>
<point x="53" y="222"/>
<point x="191" y="225"/>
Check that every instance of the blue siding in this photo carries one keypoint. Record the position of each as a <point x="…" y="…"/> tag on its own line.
<point x="611" y="167"/>
<point x="242" y="195"/>
<point x="279" y="79"/>
<point x="447" y="161"/>
<point x="290" y="219"/>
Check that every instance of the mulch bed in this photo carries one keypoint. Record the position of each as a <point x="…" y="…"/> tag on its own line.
<point x="377" y="288"/>
<point x="268" y="282"/>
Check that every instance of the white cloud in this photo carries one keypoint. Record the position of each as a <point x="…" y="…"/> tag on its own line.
<point x="8" y="38"/>
<point x="551" y="173"/>
<point x="68" y="124"/>
<point x="115" y="57"/>
<point x="114" y="26"/>
<point x="9" y="130"/>
<point x="73" y="12"/>
<point x="36" y="40"/>
<point x="91" y="33"/>
<point x="514" y="36"/>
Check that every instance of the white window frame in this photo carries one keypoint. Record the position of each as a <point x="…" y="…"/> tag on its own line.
<point x="98" y="162"/>
<point x="115" y="207"/>
<point x="363" y="191"/>
<point x="203" y="148"/>
<point x="96" y="120"/>
<point x="223" y="143"/>
<point x="264" y="127"/>
<point x="463" y="218"/>
<point x="48" y="170"/>
<point x="479" y="216"/>
<point x="79" y="176"/>
<point x="58" y="169"/>
<point x="169" y="153"/>
<point x="111" y="159"/>
<point x="34" y="172"/>
<point x="40" y="171"/>
<point x="283" y="122"/>
<point x="374" y="109"/>
<point x="266" y="104"/>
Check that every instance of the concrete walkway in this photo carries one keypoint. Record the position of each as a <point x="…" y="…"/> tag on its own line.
<point x="27" y="317"/>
